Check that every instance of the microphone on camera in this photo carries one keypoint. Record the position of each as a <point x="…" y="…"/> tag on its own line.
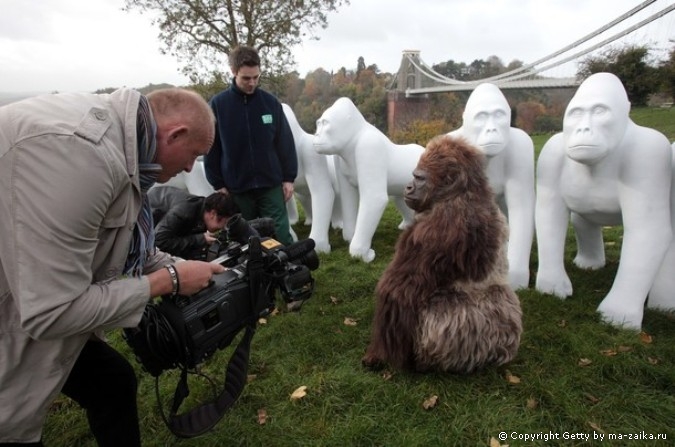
<point x="298" y="249"/>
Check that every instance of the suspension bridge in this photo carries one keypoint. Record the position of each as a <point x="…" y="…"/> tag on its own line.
<point x="415" y="78"/>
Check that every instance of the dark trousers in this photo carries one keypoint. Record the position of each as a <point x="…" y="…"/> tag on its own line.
<point x="104" y="384"/>
<point x="266" y="202"/>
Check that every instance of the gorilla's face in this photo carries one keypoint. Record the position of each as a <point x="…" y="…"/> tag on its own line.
<point x="487" y="119"/>
<point x="324" y="137"/>
<point x="417" y="193"/>
<point x="596" y="119"/>
<point x="335" y="126"/>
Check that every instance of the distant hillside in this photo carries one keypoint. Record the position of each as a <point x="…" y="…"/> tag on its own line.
<point x="150" y="87"/>
<point x="8" y="97"/>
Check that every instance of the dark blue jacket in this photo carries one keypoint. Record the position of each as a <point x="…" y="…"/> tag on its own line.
<point x="254" y="145"/>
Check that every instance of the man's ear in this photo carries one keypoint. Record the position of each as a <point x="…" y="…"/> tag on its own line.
<point x="176" y="133"/>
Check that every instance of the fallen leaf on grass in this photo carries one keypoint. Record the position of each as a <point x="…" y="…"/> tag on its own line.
<point x="334" y="300"/>
<point x="262" y="320"/>
<point x="350" y="321"/>
<point x="625" y="348"/>
<point x="430" y="402"/>
<point x="262" y="416"/>
<point x="387" y="375"/>
<point x="495" y="443"/>
<point x="299" y="393"/>
<point x="592" y="399"/>
<point x="532" y="403"/>
<point x="609" y="352"/>
<point x="251" y="377"/>
<point x="645" y="338"/>
<point x="653" y="360"/>
<point x="584" y="362"/>
<point x="562" y="323"/>
<point x="511" y="378"/>
<point x="596" y="427"/>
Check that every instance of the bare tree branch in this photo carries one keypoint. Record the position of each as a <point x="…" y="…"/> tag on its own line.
<point x="201" y="33"/>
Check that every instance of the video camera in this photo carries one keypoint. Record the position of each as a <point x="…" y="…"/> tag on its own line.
<point x="183" y="331"/>
<point x="239" y="230"/>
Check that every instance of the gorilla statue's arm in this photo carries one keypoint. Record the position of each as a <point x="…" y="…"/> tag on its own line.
<point x="519" y="196"/>
<point x="551" y="220"/>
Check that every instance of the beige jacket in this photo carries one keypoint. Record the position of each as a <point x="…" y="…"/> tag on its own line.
<point x="69" y="198"/>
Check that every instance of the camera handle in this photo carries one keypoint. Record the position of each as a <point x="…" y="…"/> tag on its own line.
<point x="204" y="417"/>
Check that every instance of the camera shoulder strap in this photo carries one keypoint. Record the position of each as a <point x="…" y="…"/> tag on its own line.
<point x="202" y="418"/>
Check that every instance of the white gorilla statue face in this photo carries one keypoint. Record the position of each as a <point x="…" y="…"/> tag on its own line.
<point x="596" y="118"/>
<point x="487" y="119"/>
<point x="336" y="125"/>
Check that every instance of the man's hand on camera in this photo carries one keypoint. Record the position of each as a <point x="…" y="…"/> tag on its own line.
<point x="193" y="276"/>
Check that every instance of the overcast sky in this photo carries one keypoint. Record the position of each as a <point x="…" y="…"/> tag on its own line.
<point x="84" y="45"/>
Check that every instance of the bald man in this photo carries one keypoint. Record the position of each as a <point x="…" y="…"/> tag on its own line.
<point x="77" y="253"/>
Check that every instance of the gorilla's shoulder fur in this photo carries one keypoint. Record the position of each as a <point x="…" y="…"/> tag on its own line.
<point x="444" y="302"/>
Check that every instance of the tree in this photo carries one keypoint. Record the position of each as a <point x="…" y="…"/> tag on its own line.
<point x="360" y="65"/>
<point x="494" y="66"/>
<point x="452" y="69"/>
<point x="514" y="64"/>
<point x="293" y="89"/>
<point x="207" y="89"/>
<point x="631" y="65"/>
<point x="527" y="114"/>
<point x="419" y="132"/>
<point x="314" y="99"/>
<point x="201" y="33"/>
<point x="478" y="69"/>
<point x="667" y="74"/>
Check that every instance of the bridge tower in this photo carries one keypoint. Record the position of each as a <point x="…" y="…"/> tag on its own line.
<point x="402" y="109"/>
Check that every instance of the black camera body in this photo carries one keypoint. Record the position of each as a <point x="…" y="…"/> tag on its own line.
<point x="183" y="331"/>
<point x="237" y="233"/>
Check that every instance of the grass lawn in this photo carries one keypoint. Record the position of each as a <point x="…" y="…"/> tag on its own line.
<point x="574" y="376"/>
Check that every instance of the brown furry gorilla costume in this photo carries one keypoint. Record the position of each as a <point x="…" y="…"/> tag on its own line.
<point x="444" y="302"/>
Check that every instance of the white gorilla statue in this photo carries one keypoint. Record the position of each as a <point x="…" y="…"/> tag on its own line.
<point x="314" y="184"/>
<point x="661" y="295"/>
<point x="604" y="170"/>
<point x="486" y="123"/>
<point x="194" y="181"/>
<point x="369" y="168"/>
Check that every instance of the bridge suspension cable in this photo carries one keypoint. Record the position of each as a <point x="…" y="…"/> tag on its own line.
<point x="511" y="78"/>
<point x="573" y="45"/>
